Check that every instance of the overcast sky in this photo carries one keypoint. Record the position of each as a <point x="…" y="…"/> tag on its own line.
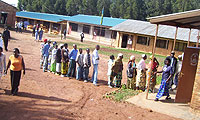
<point x="11" y="2"/>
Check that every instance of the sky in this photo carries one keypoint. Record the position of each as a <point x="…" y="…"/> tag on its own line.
<point x="11" y="2"/>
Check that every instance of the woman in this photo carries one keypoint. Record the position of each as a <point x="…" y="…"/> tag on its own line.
<point x="152" y="76"/>
<point x="16" y="65"/>
<point x="131" y="73"/>
<point x="167" y="74"/>
<point x="53" y="59"/>
<point x="2" y="62"/>
<point x="58" y="60"/>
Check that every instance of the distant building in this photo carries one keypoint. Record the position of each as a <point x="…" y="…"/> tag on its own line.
<point x="7" y="14"/>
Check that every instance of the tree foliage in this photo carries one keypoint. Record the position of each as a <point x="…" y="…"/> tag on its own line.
<point x="129" y="9"/>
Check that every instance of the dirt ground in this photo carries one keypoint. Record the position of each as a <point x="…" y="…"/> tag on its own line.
<point x="47" y="96"/>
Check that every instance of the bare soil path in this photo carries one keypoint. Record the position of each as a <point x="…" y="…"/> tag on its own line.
<point x="47" y="96"/>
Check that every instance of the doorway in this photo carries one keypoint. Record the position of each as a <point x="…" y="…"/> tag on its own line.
<point x="124" y="41"/>
<point x="3" y="18"/>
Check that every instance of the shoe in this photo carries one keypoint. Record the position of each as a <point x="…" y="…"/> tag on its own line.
<point x="168" y="98"/>
<point x="156" y="99"/>
<point x="110" y="86"/>
<point x="85" y="81"/>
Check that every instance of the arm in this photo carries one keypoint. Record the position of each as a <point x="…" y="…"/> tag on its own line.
<point x="168" y="78"/>
<point x="8" y="66"/>
<point x="4" y="63"/>
<point x="23" y="65"/>
<point x="157" y="63"/>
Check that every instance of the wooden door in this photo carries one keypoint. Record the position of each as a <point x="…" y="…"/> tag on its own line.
<point x="187" y="77"/>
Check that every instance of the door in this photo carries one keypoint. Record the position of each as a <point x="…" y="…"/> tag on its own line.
<point x="124" y="40"/>
<point x="187" y="76"/>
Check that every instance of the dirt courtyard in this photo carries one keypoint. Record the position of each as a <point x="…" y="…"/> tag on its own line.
<point x="47" y="96"/>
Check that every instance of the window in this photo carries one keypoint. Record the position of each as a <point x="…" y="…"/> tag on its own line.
<point x="180" y="46"/>
<point x="143" y="40"/>
<point x="99" y="31"/>
<point x="3" y="19"/>
<point x="114" y="34"/>
<point x="74" y="26"/>
<point x="162" y="43"/>
<point x="86" y="29"/>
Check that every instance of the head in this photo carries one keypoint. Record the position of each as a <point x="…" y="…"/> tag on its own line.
<point x="172" y="54"/>
<point x="167" y="61"/>
<point x="180" y="58"/>
<point x="75" y="46"/>
<point x="54" y="43"/>
<point x="61" y="46"/>
<point x="45" y="41"/>
<point x="56" y="46"/>
<point x="144" y="56"/>
<point x="88" y="51"/>
<point x="16" y="52"/>
<point x="97" y="47"/>
<point x="112" y="57"/>
<point x="120" y="56"/>
<point x="66" y="45"/>
<point x="132" y="58"/>
<point x="80" y="50"/>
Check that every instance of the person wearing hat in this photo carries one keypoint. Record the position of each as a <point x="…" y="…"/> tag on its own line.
<point x="1" y="41"/>
<point x="178" y="70"/>
<point x="58" y="59"/>
<point x="45" y="53"/>
<point x="6" y="37"/>
<point x="117" y="69"/>
<point x="131" y="73"/>
<point x="64" y="60"/>
<point x="141" y="76"/>
<point x="41" y="57"/>
<point x="150" y="74"/>
<point x="53" y="58"/>
<point x="50" y="55"/>
<point x="173" y="64"/>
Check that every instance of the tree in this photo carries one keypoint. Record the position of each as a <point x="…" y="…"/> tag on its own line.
<point x="59" y="7"/>
<point x="72" y="7"/>
<point x="103" y="4"/>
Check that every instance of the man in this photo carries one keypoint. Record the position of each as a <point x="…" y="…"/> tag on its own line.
<point x="87" y="65"/>
<point x="178" y="70"/>
<point x="173" y="66"/>
<point x="82" y="36"/>
<point x="141" y="75"/>
<point x="45" y="53"/>
<point x="72" y="64"/>
<point x="79" y="61"/>
<point x="95" y="62"/>
<point x="6" y="37"/>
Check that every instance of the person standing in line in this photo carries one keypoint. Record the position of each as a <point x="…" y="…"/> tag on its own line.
<point x="34" y="28"/>
<point x="65" y="60"/>
<point x="131" y="73"/>
<point x="178" y="70"/>
<point x="95" y="62"/>
<point x="72" y="64"/>
<point x="45" y="53"/>
<point x="173" y="65"/>
<point x="53" y="59"/>
<point x="6" y="37"/>
<point x="41" y="57"/>
<point x="2" y="63"/>
<point x="58" y="59"/>
<point x="87" y="65"/>
<point x="110" y="64"/>
<point x="40" y="34"/>
<point x="36" y="34"/>
<point x="82" y="36"/>
<point x="16" y="65"/>
<point x="1" y="41"/>
<point x="141" y="74"/>
<point x="166" y="75"/>
<point x="79" y="61"/>
<point x="50" y="55"/>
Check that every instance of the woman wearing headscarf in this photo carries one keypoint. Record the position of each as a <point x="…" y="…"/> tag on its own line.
<point x="16" y="65"/>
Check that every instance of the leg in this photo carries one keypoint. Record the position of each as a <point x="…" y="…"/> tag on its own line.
<point x="16" y="81"/>
<point x="6" y="44"/>
<point x="78" y="73"/>
<point x="70" y="69"/>
<point x="95" y="74"/>
<point x="45" y="63"/>
<point x="128" y="83"/>
<point x="74" y="69"/>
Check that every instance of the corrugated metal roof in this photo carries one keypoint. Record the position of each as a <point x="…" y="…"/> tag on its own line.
<point x="164" y="31"/>
<point x="96" y="20"/>
<point x="42" y="16"/>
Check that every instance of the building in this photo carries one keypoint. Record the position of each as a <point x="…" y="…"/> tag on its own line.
<point x="7" y="14"/>
<point x="92" y="28"/>
<point x="139" y="36"/>
<point x="50" y="21"/>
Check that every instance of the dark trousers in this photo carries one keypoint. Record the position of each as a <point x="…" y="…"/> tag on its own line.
<point x="72" y="69"/>
<point x="82" y="39"/>
<point x="15" y="81"/>
<point x="5" y="44"/>
<point x="85" y="73"/>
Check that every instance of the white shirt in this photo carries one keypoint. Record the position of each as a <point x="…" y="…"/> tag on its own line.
<point x="110" y="63"/>
<point x="95" y="56"/>
<point x="141" y="65"/>
<point x="53" y="57"/>
<point x="1" y="42"/>
<point x="79" y="59"/>
<point x="178" y="67"/>
<point x="85" y="60"/>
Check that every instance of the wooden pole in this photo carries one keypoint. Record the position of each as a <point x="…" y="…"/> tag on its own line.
<point x="189" y="38"/>
<point x="197" y="44"/>
<point x="175" y="38"/>
<point x="153" y="53"/>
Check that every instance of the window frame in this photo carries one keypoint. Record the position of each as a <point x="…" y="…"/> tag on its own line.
<point x="141" y="42"/>
<point x="86" y="29"/>
<point x="158" y="41"/>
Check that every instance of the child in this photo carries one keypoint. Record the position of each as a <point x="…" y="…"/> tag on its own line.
<point x="58" y="60"/>
<point x="110" y="63"/>
<point x="164" y="87"/>
<point x="80" y="63"/>
<point x="131" y="74"/>
<point x="87" y="65"/>
<point x="65" y="60"/>
<point x="53" y="59"/>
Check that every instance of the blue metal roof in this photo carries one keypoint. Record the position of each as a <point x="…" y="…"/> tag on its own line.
<point x="96" y="20"/>
<point x="42" y="16"/>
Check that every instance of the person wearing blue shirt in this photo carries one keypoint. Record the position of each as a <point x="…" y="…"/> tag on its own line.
<point x="45" y="53"/>
<point x="72" y="64"/>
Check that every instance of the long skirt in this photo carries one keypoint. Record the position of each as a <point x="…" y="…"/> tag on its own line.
<point x="15" y="81"/>
<point x="152" y="80"/>
<point x="163" y="90"/>
<point x="58" y="67"/>
<point x="64" y="68"/>
<point x="141" y="79"/>
<point x="118" y="79"/>
<point x="53" y="67"/>
<point x="131" y="83"/>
